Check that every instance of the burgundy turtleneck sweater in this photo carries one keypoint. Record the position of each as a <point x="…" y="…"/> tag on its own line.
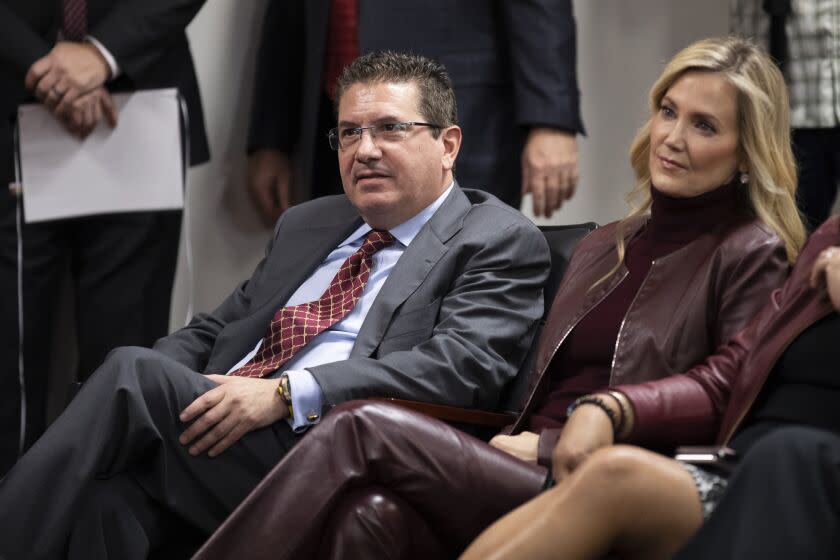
<point x="582" y="364"/>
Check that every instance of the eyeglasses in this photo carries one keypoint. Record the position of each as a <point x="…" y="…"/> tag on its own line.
<point x="342" y="138"/>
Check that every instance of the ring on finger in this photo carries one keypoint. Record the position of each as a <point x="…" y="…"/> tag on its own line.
<point x="829" y="253"/>
<point x="58" y="92"/>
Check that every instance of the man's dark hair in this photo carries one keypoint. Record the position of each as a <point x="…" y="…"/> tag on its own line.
<point x="437" y="100"/>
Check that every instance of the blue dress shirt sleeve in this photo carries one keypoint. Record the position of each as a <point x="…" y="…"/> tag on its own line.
<point x="307" y="400"/>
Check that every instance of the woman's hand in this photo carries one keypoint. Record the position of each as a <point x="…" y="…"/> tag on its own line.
<point x="523" y="446"/>
<point x="826" y="274"/>
<point x="587" y="429"/>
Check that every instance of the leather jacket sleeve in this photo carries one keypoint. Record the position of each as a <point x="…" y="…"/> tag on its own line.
<point x="687" y="408"/>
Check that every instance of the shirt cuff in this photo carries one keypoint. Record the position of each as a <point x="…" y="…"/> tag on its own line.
<point x="106" y="54"/>
<point x="307" y="400"/>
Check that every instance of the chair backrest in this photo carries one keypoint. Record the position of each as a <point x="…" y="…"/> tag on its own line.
<point x="562" y="241"/>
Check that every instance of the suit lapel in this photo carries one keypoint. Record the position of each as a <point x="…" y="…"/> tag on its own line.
<point x="303" y="252"/>
<point x="296" y="254"/>
<point x="412" y="269"/>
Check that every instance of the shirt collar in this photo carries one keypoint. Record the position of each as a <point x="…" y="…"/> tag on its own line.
<point x="408" y="230"/>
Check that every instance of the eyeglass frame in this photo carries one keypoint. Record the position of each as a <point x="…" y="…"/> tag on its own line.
<point x="333" y="132"/>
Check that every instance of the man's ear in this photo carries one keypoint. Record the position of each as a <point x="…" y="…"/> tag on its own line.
<point x="451" y="137"/>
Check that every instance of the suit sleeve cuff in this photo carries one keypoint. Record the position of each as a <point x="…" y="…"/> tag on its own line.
<point x="106" y="54"/>
<point x="307" y="400"/>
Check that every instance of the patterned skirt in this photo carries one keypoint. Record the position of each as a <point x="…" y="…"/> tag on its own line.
<point x="710" y="487"/>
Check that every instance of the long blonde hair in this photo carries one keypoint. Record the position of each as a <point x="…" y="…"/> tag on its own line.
<point x="763" y="129"/>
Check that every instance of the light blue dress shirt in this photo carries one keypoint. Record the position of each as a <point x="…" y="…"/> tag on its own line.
<point x="336" y="343"/>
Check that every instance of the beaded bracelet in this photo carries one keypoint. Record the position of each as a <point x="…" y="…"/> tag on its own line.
<point x="622" y="423"/>
<point x="592" y="399"/>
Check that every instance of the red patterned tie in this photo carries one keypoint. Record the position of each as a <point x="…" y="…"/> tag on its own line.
<point x="342" y="41"/>
<point x="75" y="20"/>
<point x="294" y="326"/>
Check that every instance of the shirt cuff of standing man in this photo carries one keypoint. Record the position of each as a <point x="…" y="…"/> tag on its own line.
<point x="106" y="54"/>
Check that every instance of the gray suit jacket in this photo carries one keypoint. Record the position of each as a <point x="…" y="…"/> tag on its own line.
<point x="451" y="324"/>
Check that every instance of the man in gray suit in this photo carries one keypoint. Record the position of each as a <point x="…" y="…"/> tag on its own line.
<point x="406" y="286"/>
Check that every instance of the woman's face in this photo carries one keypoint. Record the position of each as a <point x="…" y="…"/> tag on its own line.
<point x="694" y="135"/>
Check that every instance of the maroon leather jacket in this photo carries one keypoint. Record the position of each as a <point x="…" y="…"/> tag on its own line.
<point x="714" y="397"/>
<point x="692" y="301"/>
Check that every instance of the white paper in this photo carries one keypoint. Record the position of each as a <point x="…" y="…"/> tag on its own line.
<point x="135" y="166"/>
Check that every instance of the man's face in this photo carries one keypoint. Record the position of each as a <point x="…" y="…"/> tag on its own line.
<point x="390" y="181"/>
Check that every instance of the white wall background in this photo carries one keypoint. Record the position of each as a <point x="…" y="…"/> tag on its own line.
<point x="622" y="45"/>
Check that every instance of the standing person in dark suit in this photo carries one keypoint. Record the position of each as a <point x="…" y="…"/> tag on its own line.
<point x="407" y="286"/>
<point x="513" y="68"/>
<point x="804" y="38"/>
<point x="122" y="265"/>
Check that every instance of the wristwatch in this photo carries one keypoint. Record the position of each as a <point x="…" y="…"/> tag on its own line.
<point x="286" y="393"/>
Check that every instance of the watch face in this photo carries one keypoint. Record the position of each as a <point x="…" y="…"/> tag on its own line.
<point x="283" y="389"/>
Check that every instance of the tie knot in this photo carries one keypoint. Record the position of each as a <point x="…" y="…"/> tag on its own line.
<point x="376" y="240"/>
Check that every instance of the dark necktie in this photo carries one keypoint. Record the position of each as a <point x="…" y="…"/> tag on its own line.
<point x="294" y="326"/>
<point x="342" y="41"/>
<point x="778" y="10"/>
<point x="74" y="24"/>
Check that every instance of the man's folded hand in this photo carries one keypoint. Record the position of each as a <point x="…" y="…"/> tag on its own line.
<point x="222" y="415"/>
<point x="66" y="73"/>
<point x="82" y="116"/>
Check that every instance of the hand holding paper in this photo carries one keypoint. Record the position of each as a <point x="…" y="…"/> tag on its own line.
<point x="67" y="72"/>
<point x="136" y="166"/>
<point x="82" y="116"/>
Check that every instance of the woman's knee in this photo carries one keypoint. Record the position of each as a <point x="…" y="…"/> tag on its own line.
<point x="615" y="466"/>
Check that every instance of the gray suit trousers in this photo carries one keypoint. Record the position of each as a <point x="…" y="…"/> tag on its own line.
<point x="112" y="492"/>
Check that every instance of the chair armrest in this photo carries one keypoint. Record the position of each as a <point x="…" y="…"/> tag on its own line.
<point x="448" y="413"/>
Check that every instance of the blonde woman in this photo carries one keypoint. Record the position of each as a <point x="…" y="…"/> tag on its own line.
<point x="643" y="303"/>
<point x="781" y="422"/>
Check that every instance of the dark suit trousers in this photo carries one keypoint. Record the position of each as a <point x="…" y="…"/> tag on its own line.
<point x="382" y="482"/>
<point x="121" y="268"/>
<point x="782" y="502"/>
<point x="109" y="475"/>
